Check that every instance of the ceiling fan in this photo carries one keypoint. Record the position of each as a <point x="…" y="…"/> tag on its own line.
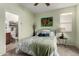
<point x="47" y="4"/>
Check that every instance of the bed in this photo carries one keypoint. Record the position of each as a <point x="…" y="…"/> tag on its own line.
<point x="45" y="45"/>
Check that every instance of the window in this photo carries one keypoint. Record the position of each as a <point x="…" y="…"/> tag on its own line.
<point x="66" y="22"/>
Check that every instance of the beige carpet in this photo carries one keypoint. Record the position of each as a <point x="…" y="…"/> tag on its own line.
<point x="67" y="50"/>
<point x="62" y="50"/>
<point x="10" y="46"/>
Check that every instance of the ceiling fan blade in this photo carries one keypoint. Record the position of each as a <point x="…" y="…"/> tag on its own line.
<point x="47" y="4"/>
<point x="36" y="4"/>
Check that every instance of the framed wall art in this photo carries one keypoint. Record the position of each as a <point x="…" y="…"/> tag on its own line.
<point x="47" y="21"/>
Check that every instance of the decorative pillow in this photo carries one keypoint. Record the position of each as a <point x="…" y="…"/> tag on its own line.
<point x="43" y="34"/>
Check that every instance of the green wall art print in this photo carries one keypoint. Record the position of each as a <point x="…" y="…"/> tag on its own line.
<point x="46" y="22"/>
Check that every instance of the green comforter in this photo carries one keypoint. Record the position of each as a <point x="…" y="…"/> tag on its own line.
<point x="42" y="47"/>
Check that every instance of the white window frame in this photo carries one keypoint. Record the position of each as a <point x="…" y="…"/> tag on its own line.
<point x="64" y="29"/>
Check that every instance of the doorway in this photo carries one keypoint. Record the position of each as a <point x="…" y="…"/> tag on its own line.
<point x="11" y="30"/>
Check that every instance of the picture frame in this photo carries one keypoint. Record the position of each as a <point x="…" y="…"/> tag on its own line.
<point x="47" y="21"/>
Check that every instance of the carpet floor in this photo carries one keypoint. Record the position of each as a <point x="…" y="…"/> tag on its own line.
<point x="62" y="50"/>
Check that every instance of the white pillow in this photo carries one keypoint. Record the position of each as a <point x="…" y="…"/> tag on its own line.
<point x="52" y="34"/>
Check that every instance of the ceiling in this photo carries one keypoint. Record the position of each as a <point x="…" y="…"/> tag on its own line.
<point x="41" y="7"/>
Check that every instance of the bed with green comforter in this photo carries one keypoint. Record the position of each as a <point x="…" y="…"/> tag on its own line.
<point x="38" y="46"/>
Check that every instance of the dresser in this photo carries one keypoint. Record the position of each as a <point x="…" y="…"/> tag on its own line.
<point x="8" y="38"/>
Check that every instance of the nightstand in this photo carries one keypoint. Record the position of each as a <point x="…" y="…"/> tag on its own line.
<point x="62" y="41"/>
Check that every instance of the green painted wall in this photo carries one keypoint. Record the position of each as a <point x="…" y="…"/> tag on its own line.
<point x="2" y="31"/>
<point x="77" y="26"/>
<point x="26" y="19"/>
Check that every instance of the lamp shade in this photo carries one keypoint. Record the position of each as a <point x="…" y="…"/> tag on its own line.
<point x="62" y="29"/>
